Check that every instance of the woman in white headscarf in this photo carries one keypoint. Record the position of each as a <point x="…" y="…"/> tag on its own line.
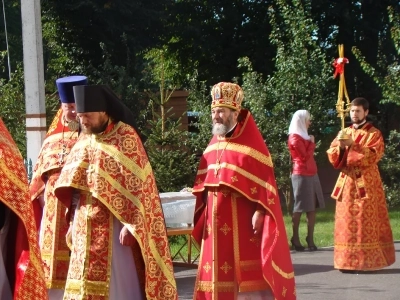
<point x="306" y="186"/>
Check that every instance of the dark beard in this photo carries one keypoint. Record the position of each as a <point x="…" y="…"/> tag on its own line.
<point x="359" y="121"/>
<point x="97" y="129"/>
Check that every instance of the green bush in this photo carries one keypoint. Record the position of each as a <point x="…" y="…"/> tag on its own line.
<point x="390" y="171"/>
<point x="169" y="155"/>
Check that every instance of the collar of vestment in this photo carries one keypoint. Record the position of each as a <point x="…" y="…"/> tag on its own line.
<point x="359" y="126"/>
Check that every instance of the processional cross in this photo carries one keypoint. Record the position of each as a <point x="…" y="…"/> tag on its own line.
<point x="342" y="106"/>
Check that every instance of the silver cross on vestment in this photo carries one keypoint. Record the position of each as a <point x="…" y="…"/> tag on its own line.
<point x="89" y="173"/>
<point x="62" y="155"/>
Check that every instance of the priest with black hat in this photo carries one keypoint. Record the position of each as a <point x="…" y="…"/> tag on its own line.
<point x="119" y="245"/>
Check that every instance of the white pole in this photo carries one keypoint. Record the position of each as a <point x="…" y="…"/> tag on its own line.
<point x="33" y="77"/>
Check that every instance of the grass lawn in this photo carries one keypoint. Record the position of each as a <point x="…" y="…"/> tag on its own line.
<point x="323" y="235"/>
<point x="323" y="229"/>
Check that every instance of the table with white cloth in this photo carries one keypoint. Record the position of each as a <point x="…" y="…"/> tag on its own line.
<point x="178" y="208"/>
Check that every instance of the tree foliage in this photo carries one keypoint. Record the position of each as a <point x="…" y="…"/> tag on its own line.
<point x="12" y="14"/>
<point x="390" y="171"/>
<point x="84" y="25"/>
<point x="169" y="154"/>
<point x="166" y="143"/>
<point x="387" y="77"/>
<point x="211" y="35"/>
<point x="199" y="102"/>
<point x="302" y="81"/>
<point x="360" y="24"/>
<point x="12" y="110"/>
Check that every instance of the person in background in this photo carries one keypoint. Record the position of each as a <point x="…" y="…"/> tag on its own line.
<point x="21" y="273"/>
<point x="61" y="136"/>
<point x="120" y="249"/>
<point x="363" y="239"/>
<point x="307" y="189"/>
<point x="238" y="218"/>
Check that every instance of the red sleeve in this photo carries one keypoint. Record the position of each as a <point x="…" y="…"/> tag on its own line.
<point x="304" y="149"/>
<point x="336" y="156"/>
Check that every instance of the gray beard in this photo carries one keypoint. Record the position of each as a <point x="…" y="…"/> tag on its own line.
<point x="219" y="129"/>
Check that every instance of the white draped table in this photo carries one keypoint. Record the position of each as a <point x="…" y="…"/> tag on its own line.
<point x="178" y="208"/>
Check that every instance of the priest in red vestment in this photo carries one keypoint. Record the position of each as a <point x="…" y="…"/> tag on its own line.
<point x="363" y="239"/>
<point x="21" y="273"/>
<point x="60" y="138"/>
<point x="118" y="237"/>
<point x="238" y="219"/>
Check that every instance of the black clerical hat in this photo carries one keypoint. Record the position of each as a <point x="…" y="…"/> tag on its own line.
<point x="95" y="98"/>
<point x="90" y="98"/>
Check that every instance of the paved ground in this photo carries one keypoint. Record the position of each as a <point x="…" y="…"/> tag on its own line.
<point x="317" y="280"/>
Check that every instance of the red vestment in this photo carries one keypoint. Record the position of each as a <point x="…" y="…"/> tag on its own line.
<point x="114" y="178"/>
<point x="234" y="259"/>
<point x="54" y="226"/>
<point x="24" y="266"/>
<point x="363" y="237"/>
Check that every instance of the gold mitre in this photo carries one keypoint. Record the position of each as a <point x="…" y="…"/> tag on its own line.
<point x="227" y="94"/>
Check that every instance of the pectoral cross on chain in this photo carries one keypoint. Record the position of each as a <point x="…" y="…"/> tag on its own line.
<point x="217" y="167"/>
<point x="89" y="173"/>
<point x="61" y="155"/>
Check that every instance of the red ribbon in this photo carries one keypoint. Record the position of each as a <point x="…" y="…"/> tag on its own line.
<point x="339" y="65"/>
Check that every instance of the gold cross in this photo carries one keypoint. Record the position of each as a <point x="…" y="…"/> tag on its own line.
<point x="225" y="229"/>
<point x="207" y="267"/>
<point x="100" y="230"/>
<point x="226" y="267"/>
<point x="217" y="167"/>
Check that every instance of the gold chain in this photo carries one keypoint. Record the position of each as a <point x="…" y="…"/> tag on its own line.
<point x="64" y="152"/>
<point x="217" y="162"/>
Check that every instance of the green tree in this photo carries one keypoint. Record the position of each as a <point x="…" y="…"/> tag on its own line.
<point x="83" y="25"/>
<point x="302" y="80"/>
<point x="167" y="143"/>
<point x="387" y="77"/>
<point x="390" y="171"/>
<point x="357" y="24"/>
<point x="12" y="107"/>
<point x="12" y="14"/>
<point x="199" y="101"/>
<point x="210" y="36"/>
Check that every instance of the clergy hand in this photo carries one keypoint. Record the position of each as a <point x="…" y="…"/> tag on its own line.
<point x="125" y="237"/>
<point x="68" y="237"/>
<point x="346" y="143"/>
<point x="258" y="222"/>
<point x="312" y="138"/>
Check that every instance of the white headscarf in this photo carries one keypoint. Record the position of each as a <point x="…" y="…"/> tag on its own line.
<point x="298" y="123"/>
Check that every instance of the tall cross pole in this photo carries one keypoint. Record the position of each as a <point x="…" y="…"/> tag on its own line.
<point x="343" y="101"/>
<point x="33" y="77"/>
